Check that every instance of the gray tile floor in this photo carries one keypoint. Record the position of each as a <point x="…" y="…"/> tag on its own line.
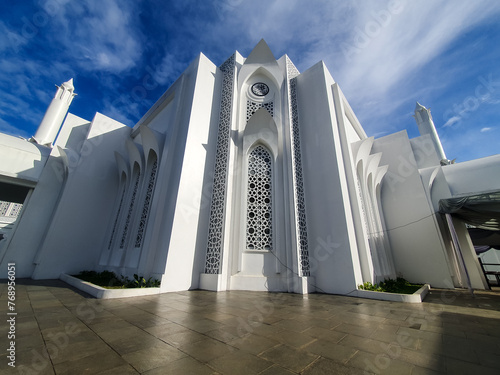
<point x="60" y="330"/>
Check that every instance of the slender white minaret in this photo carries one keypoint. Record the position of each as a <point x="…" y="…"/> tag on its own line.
<point x="52" y="121"/>
<point x="426" y="126"/>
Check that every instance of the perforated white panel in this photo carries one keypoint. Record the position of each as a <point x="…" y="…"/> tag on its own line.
<point x="146" y="205"/>
<point x="130" y="209"/>
<point x="259" y="200"/>
<point x="253" y="107"/>
<point x="217" y="206"/>
<point x="300" y="207"/>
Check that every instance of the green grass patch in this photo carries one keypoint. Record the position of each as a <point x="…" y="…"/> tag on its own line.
<point x="110" y="280"/>
<point x="399" y="285"/>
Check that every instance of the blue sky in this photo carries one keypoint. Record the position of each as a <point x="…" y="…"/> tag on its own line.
<point x="385" y="55"/>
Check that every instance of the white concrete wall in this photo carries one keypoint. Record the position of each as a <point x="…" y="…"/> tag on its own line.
<point x="331" y="236"/>
<point x="77" y="230"/>
<point x="165" y="117"/>
<point x="419" y="254"/>
<point x="350" y="131"/>
<point x="31" y="226"/>
<point x="73" y="133"/>
<point x="176" y="242"/>
<point x="424" y="152"/>
<point x="25" y="163"/>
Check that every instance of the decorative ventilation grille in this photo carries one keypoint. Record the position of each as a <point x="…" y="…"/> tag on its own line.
<point x="15" y="210"/>
<point x="253" y="107"/>
<point x="10" y="209"/>
<point x="259" y="200"/>
<point x="217" y="207"/>
<point x="362" y="201"/>
<point x="130" y="209"/>
<point x="147" y="204"/>
<point x="4" y="206"/>
<point x="300" y="208"/>
<point x="116" y="219"/>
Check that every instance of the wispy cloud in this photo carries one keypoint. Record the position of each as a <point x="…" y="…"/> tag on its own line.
<point x="169" y="69"/>
<point x="60" y="39"/>
<point x="385" y="55"/>
<point x="453" y="120"/>
<point x="485" y="130"/>
<point x="105" y="38"/>
<point x="375" y="50"/>
<point x="410" y="39"/>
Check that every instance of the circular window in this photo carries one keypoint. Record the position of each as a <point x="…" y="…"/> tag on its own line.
<point x="260" y="89"/>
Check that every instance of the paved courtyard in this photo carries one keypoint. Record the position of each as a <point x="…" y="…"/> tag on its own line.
<point x="63" y="331"/>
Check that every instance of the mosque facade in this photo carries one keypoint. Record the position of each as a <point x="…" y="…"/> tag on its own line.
<point x="246" y="176"/>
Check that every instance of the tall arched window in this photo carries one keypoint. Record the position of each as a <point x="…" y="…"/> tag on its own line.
<point x="136" y="179"/>
<point x="259" y="230"/>
<point x="118" y="212"/>
<point x="148" y="196"/>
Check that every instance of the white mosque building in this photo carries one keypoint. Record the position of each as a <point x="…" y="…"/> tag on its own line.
<point x="246" y="176"/>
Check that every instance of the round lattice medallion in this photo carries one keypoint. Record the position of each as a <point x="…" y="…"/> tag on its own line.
<point x="260" y="89"/>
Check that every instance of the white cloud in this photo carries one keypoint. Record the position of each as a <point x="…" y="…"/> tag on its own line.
<point x="453" y="120"/>
<point x="10" y="40"/>
<point x="169" y="69"/>
<point x="386" y="46"/>
<point x="104" y="38"/>
<point x="485" y="130"/>
<point x="409" y="40"/>
<point x="375" y="53"/>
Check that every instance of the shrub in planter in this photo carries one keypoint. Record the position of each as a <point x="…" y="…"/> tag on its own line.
<point x="400" y="285"/>
<point x="108" y="279"/>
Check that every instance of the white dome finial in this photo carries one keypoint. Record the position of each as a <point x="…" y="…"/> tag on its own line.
<point x="69" y="85"/>
<point x="419" y="107"/>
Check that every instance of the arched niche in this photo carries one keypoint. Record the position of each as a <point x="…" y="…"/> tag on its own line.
<point x="135" y="155"/>
<point x="259" y="90"/>
<point x="134" y="186"/>
<point x="118" y="209"/>
<point x="150" y="141"/>
<point x="261" y="61"/>
<point x="261" y="128"/>
<point x="122" y="165"/>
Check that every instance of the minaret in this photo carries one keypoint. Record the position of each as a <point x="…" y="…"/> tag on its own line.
<point x="52" y="121"/>
<point x="426" y="126"/>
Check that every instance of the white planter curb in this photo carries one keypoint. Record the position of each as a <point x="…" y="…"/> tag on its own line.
<point x="416" y="297"/>
<point x="103" y="293"/>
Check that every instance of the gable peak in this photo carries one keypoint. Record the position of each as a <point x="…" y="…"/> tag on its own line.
<point x="261" y="54"/>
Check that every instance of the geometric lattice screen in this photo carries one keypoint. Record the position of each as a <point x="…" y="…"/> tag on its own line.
<point x="259" y="230"/>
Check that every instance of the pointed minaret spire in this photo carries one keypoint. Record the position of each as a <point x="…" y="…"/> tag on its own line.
<point x="426" y="126"/>
<point x="54" y="116"/>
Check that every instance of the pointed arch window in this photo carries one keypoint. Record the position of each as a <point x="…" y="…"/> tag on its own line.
<point x="147" y="203"/>
<point x="137" y="176"/>
<point x="118" y="212"/>
<point x="259" y="228"/>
